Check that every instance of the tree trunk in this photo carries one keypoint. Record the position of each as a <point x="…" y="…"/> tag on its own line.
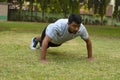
<point x="101" y="20"/>
<point x="43" y="14"/>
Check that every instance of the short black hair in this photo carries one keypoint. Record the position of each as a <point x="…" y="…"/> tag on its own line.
<point x="75" y="18"/>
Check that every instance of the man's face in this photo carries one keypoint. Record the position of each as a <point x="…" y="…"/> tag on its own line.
<point x="73" y="27"/>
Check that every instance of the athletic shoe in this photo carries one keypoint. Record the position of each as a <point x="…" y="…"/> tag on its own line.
<point x="33" y="44"/>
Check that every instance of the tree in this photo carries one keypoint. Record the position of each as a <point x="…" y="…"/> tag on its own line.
<point x="81" y="1"/>
<point x="90" y="4"/>
<point x="69" y="6"/>
<point x="64" y="6"/>
<point x="43" y="5"/>
<point x="20" y="2"/>
<point x="99" y="7"/>
<point x="54" y="6"/>
<point x="102" y="8"/>
<point x="116" y="13"/>
<point x="3" y="0"/>
<point x="31" y="7"/>
<point x="75" y="8"/>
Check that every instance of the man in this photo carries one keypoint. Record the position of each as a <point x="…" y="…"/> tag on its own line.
<point x="61" y="31"/>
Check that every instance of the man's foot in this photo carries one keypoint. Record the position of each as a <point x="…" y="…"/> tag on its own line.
<point x="40" y="46"/>
<point x="33" y="44"/>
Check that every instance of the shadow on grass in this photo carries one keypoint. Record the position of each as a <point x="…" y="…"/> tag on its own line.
<point x="64" y="56"/>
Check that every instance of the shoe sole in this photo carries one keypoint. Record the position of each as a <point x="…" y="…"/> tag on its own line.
<point x="31" y="46"/>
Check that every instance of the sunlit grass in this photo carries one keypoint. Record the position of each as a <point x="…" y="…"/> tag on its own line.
<point x="67" y="62"/>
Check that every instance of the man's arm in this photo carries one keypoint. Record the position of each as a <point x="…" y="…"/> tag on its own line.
<point x="45" y="42"/>
<point x="89" y="48"/>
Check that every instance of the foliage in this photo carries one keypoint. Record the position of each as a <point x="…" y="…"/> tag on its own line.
<point x="116" y="13"/>
<point x="3" y="0"/>
<point x="75" y="6"/>
<point x="66" y="7"/>
<point x="43" y="5"/>
<point x="90" y="4"/>
<point x="54" y="6"/>
<point x="99" y="7"/>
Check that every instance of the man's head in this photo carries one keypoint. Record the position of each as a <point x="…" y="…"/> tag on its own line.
<point x="74" y="22"/>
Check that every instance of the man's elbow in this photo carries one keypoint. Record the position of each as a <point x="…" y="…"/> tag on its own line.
<point x="88" y="41"/>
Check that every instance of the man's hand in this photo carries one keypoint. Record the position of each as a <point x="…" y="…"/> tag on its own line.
<point x="45" y="42"/>
<point x="89" y="47"/>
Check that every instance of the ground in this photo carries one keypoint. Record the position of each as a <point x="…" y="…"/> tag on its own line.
<point x="67" y="62"/>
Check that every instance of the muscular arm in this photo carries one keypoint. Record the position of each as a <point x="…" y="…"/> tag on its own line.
<point x="89" y="47"/>
<point x="45" y="42"/>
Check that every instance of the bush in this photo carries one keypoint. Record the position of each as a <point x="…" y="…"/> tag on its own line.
<point x="105" y="22"/>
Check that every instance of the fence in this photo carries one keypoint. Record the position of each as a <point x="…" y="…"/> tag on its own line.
<point x="34" y="16"/>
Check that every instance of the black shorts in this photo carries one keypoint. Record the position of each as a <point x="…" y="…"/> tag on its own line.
<point x="50" y="44"/>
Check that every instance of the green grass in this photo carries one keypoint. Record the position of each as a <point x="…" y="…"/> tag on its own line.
<point x="106" y="31"/>
<point x="67" y="62"/>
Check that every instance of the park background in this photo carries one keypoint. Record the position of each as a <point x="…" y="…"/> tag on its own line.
<point x="69" y="61"/>
<point x="93" y="12"/>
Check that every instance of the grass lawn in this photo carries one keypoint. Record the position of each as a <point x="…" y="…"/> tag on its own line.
<point x="67" y="62"/>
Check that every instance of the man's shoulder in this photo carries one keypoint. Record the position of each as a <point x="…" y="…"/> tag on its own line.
<point x="82" y="26"/>
<point x="60" y="24"/>
<point x="50" y="26"/>
<point x="62" y="20"/>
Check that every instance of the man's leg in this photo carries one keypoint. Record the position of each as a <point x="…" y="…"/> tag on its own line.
<point x="40" y="39"/>
<point x="37" y="39"/>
